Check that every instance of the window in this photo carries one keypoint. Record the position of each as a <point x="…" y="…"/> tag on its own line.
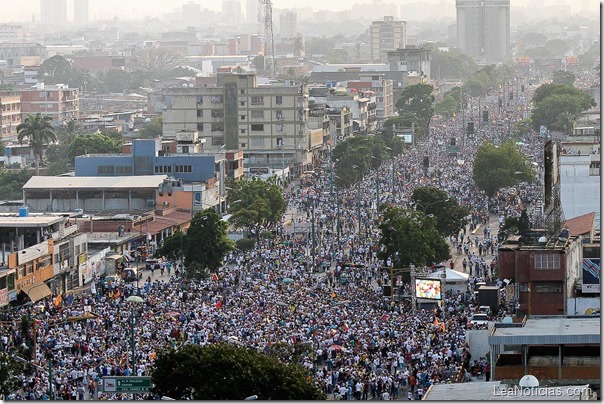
<point x="257" y="100"/>
<point x="105" y="170"/>
<point x="257" y="128"/>
<point x="242" y="131"/>
<point x="279" y="114"/>
<point x="216" y="99"/>
<point x="200" y="127"/>
<point x="217" y="126"/>
<point x="548" y="287"/>
<point x="241" y="91"/>
<point x="279" y="99"/>
<point x="163" y="169"/>
<point x="242" y="103"/>
<point x="243" y="145"/>
<point x="258" y="114"/>
<point x="123" y="170"/>
<point x="280" y="142"/>
<point x="200" y="113"/>
<point x="242" y="117"/>
<point x="182" y="169"/>
<point x="217" y="113"/>
<point x="199" y="99"/>
<point x="217" y="141"/>
<point x="279" y="127"/>
<point x="547" y="261"/>
<point x="184" y="149"/>
<point x="257" y="141"/>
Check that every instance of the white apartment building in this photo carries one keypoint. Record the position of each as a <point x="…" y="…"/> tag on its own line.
<point x="12" y="33"/>
<point x="269" y="123"/>
<point x="387" y="35"/>
<point x="288" y="27"/>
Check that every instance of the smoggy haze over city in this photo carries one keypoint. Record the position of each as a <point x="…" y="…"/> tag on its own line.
<point x="103" y="9"/>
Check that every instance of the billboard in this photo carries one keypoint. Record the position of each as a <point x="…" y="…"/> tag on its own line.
<point x="591" y="275"/>
<point x="428" y="289"/>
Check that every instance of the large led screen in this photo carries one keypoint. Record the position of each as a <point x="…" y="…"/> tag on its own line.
<point x="427" y="289"/>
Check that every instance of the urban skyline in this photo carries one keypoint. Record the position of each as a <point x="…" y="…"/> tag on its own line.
<point x="26" y="9"/>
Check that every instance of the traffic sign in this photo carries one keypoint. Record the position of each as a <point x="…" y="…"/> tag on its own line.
<point x="126" y="384"/>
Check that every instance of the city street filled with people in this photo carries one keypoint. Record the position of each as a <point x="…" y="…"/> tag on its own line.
<point x="324" y="292"/>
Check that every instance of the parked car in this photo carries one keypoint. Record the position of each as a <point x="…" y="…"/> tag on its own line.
<point x="152" y="264"/>
<point x="131" y="275"/>
<point x="479" y="319"/>
<point x="485" y="309"/>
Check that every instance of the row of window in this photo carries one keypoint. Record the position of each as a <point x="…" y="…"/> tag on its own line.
<point x="177" y="169"/>
<point x="547" y="261"/>
<point x="111" y="170"/>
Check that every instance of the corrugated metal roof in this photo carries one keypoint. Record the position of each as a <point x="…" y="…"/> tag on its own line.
<point x="550" y="331"/>
<point x="29" y="221"/>
<point x="129" y="182"/>
<point x="478" y="391"/>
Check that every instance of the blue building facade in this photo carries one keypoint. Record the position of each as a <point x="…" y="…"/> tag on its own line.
<point x="145" y="159"/>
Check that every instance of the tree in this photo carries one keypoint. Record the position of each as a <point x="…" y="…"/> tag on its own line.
<point x="447" y="107"/>
<point x="54" y="70"/>
<point x="172" y="247"/>
<point x="69" y="131"/>
<point x="153" y="59"/>
<point x="38" y="131"/>
<point x="450" y="217"/>
<point x="417" y="99"/>
<point x="206" y="243"/>
<point x="354" y="156"/>
<point x="117" y="80"/>
<point x="547" y="90"/>
<point x="152" y="129"/>
<point x="452" y="64"/>
<point x="406" y="120"/>
<point x="564" y="77"/>
<point x="410" y="237"/>
<point x="558" y="105"/>
<point x="56" y="160"/>
<point x="226" y="372"/>
<point x="255" y="205"/>
<point x="497" y="167"/>
<point x="94" y="143"/>
<point x="9" y="372"/>
<point x="11" y="183"/>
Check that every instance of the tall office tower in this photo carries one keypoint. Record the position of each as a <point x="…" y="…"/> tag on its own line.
<point x="251" y="11"/>
<point x="81" y="12"/>
<point x="231" y="12"/>
<point x="387" y="35"/>
<point x="483" y="29"/>
<point x="191" y="14"/>
<point x="53" y="12"/>
<point x="288" y="24"/>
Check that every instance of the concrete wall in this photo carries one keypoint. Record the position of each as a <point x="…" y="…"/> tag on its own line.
<point x="578" y="305"/>
<point x="478" y="341"/>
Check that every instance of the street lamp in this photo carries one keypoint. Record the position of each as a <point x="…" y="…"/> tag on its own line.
<point x="133" y="299"/>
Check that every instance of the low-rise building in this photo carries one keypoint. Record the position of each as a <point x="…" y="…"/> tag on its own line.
<point x="58" y="101"/>
<point x="10" y="114"/>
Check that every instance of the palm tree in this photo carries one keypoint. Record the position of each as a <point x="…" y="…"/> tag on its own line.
<point x="38" y="131"/>
<point x="69" y="131"/>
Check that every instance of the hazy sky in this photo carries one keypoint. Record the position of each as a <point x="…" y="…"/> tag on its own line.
<point x="22" y="10"/>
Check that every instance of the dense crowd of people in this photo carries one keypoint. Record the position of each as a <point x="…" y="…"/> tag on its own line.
<point x="329" y="298"/>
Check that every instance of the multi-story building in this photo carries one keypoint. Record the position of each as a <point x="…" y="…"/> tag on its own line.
<point x="57" y="101"/>
<point x="385" y="36"/>
<point x="544" y="271"/>
<point x="81" y="12"/>
<point x="10" y="115"/>
<point x="382" y="87"/>
<point x="267" y="122"/>
<point x="53" y="12"/>
<point x="288" y="25"/>
<point x="411" y="60"/>
<point x="12" y="33"/>
<point x="99" y="63"/>
<point x="580" y="175"/>
<point x="14" y="52"/>
<point x="251" y="11"/>
<point x="483" y="29"/>
<point x="231" y="12"/>
<point x="191" y="14"/>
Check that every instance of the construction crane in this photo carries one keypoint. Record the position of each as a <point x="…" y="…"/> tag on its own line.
<point x="265" y="29"/>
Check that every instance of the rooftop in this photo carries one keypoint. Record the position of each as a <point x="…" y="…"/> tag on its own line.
<point x="550" y="331"/>
<point x="497" y="391"/>
<point x="581" y="224"/>
<point x="126" y="182"/>
<point x="28" y="221"/>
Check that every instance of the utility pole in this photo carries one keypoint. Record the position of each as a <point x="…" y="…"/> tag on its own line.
<point x="359" y="204"/>
<point x="338" y="212"/>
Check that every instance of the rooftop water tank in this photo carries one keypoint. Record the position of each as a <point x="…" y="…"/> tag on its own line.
<point x="23" y="211"/>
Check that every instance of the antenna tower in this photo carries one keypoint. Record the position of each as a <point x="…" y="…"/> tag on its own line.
<point x="265" y="28"/>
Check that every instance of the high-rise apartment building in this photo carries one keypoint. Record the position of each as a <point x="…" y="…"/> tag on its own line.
<point x="387" y="35"/>
<point x="231" y="12"/>
<point x="53" y="12"/>
<point x="268" y="123"/>
<point x="81" y="12"/>
<point x="191" y="14"/>
<point x="288" y="25"/>
<point x="483" y="29"/>
<point x="251" y="11"/>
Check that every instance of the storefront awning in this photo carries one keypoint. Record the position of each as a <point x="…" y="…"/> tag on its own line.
<point x="37" y="291"/>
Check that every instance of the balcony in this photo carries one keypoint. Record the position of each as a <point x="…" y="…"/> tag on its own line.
<point x="65" y="232"/>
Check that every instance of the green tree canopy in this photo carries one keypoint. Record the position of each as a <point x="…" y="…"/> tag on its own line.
<point x="564" y="77"/>
<point x="226" y="372"/>
<point x="206" y="242"/>
<point x="410" y="237"/>
<point x="69" y="131"/>
<point x="95" y="143"/>
<point x="452" y="64"/>
<point x="152" y="129"/>
<point x="11" y="183"/>
<point x="38" y="131"/>
<point x="557" y="106"/>
<point x="255" y="204"/>
<point x="450" y="217"/>
<point x="447" y="107"/>
<point x="417" y="99"/>
<point x="172" y="247"/>
<point x="356" y="155"/>
<point x="497" y="167"/>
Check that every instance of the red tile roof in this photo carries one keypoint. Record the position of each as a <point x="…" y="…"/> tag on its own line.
<point x="581" y="224"/>
<point x="171" y="219"/>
